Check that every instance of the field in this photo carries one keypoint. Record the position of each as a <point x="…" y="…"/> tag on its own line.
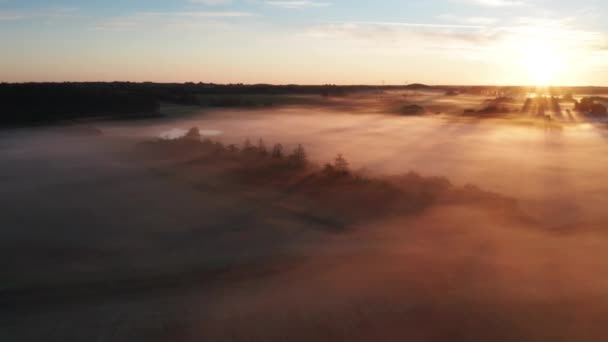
<point x="452" y="223"/>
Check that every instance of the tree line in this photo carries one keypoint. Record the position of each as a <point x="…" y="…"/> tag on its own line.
<point x="39" y="103"/>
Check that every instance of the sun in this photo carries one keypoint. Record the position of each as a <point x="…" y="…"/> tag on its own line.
<point x="542" y="62"/>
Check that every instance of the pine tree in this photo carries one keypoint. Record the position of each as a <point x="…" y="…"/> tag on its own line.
<point x="277" y="151"/>
<point x="262" y="150"/>
<point x="193" y="134"/>
<point x="340" y="164"/>
<point x="247" y="146"/>
<point x="298" y="157"/>
<point x="219" y="147"/>
<point x="232" y="148"/>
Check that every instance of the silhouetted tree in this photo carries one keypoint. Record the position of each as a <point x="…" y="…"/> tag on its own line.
<point x="527" y="105"/>
<point x="599" y="109"/>
<point x="193" y="134"/>
<point x="232" y="148"/>
<point x="248" y="147"/>
<point x="219" y="147"/>
<point x="340" y="164"/>
<point x="589" y="106"/>
<point x="207" y="142"/>
<point x="277" y="151"/>
<point x="298" y="157"/>
<point x="262" y="150"/>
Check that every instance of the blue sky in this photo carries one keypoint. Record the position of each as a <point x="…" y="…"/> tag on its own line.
<point x="317" y="41"/>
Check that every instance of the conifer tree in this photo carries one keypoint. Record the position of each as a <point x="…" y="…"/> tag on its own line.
<point x="277" y="151"/>
<point x="299" y="157"/>
<point x="262" y="150"/>
<point x="340" y="164"/>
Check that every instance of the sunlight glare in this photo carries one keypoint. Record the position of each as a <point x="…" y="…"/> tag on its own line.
<point x="543" y="62"/>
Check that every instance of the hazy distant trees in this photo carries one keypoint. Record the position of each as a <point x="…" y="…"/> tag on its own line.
<point x="298" y="157"/>
<point x="527" y="105"/>
<point x="411" y="109"/>
<point x="340" y="164"/>
<point x="555" y="105"/>
<point x="232" y="148"/>
<point x="262" y="150"/>
<point x="589" y="105"/>
<point x="335" y="196"/>
<point x="193" y="134"/>
<point x="339" y="167"/>
<point x="34" y="103"/>
<point x="247" y="146"/>
<point x="277" y="151"/>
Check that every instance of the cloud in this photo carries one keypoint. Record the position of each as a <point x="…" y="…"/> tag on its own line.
<point x="50" y="13"/>
<point x="206" y="14"/>
<point x="211" y="2"/>
<point x="499" y="44"/>
<point x="480" y="21"/>
<point x="420" y="25"/>
<point x="11" y="15"/>
<point x="185" y="19"/>
<point x="297" y="4"/>
<point x="496" y="3"/>
<point x="408" y="38"/>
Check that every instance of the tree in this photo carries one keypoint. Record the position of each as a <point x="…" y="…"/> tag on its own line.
<point x="599" y="109"/>
<point x="589" y="106"/>
<point x="193" y="134"/>
<point x="247" y="146"/>
<point x="340" y="164"/>
<point x="219" y="147"/>
<point x="527" y="105"/>
<point x="298" y="157"/>
<point x="277" y="151"/>
<point x="262" y="150"/>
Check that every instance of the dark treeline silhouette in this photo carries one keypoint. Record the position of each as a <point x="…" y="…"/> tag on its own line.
<point x="588" y="105"/>
<point x="333" y="193"/>
<point x="36" y="103"/>
<point x="499" y="105"/>
<point x="542" y="105"/>
<point x="39" y="103"/>
<point x="248" y="155"/>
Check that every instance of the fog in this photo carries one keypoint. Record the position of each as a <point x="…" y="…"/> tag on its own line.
<point x="110" y="247"/>
<point x="554" y="170"/>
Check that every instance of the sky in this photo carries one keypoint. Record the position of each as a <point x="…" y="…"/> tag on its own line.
<point x="516" y="42"/>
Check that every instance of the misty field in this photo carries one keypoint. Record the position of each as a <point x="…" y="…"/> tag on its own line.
<point x="442" y="227"/>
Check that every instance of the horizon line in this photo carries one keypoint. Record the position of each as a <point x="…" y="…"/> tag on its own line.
<point x="310" y="84"/>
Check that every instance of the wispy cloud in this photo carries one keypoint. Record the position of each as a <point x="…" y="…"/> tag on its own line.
<point x="205" y="14"/>
<point x="496" y="3"/>
<point x="297" y="4"/>
<point x="211" y="2"/>
<point x="421" y="25"/>
<point x="476" y="42"/>
<point x="480" y="21"/>
<point x="182" y="19"/>
<point x="408" y="38"/>
<point x="49" y="13"/>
